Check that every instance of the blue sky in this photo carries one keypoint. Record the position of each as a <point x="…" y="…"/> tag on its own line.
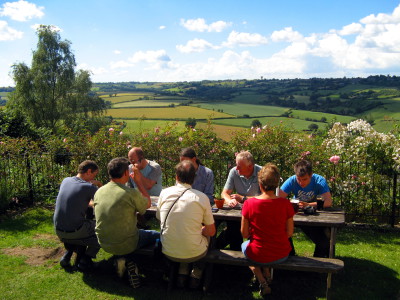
<point x="182" y="40"/>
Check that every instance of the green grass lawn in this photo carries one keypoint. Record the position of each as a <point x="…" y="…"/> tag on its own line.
<point x="371" y="258"/>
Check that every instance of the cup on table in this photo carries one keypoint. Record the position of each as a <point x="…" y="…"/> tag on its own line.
<point x="219" y="203"/>
<point x="320" y="203"/>
<point x="295" y="204"/>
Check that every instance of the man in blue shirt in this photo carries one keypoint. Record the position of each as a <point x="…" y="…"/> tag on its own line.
<point x="306" y="186"/>
<point x="204" y="180"/>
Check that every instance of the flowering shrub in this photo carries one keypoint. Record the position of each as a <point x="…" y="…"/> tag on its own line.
<point x="356" y="160"/>
<point x="366" y="156"/>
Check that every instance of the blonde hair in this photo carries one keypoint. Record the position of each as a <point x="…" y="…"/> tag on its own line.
<point x="268" y="177"/>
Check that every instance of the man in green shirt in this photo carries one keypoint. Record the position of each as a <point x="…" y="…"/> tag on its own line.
<point x="116" y="206"/>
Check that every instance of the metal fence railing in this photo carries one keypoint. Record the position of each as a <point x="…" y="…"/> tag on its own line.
<point x="367" y="191"/>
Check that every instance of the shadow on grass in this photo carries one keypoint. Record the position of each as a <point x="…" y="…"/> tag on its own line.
<point x="364" y="279"/>
<point x="360" y="279"/>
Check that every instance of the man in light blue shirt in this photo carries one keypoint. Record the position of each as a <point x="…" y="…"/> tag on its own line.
<point x="242" y="180"/>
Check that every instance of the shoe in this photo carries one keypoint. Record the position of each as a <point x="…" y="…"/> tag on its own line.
<point x="133" y="275"/>
<point x="120" y="265"/>
<point x="85" y="264"/>
<point x="66" y="259"/>
<point x="194" y="283"/>
<point x="181" y="281"/>
<point x="264" y="289"/>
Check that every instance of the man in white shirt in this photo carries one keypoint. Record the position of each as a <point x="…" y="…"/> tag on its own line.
<point x="186" y="223"/>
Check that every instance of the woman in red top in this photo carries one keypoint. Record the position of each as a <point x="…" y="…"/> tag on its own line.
<point x="267" y="222"/>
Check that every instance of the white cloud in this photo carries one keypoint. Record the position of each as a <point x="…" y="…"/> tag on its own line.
<point x="21" y="10"/>
<point x="383" y="18"/>
<point x="196" y="45"/>
<point x="353" y="28"/>
<point x="245" y="39"/>
<point x="162" y="27"/>
<point x="120" y="64"/>
<point x="7" y="33"/>
<point x="93" y="70"/>
<point x="117" y="52"/>
<point x="155" y="59"/>
<point x="286" y="35"/>
<point x="201" y="25"/>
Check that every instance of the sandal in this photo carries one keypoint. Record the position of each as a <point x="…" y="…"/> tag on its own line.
<point x="264" y="289"/>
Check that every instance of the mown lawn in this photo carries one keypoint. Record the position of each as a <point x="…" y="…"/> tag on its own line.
<point x="371" y="257"/>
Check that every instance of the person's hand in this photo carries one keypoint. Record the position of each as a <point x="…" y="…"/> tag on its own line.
<point x="96" y="183"/>
<point x="236" y="197"/>
<point x="136" y="175"/>
<point x="232" y="203"/>
<point x="303" y="204"/>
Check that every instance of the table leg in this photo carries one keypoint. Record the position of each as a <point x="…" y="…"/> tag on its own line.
<point x="332" y="242"/>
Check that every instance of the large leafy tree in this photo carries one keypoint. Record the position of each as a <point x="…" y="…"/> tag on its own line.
<point x="50" y="92"/>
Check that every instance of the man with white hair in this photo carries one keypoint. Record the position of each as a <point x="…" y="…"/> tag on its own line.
<point x="242" y="183"/>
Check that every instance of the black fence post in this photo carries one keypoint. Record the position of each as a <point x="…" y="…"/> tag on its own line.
<point x="29" y="179"/>
<point x="393" y="217"/>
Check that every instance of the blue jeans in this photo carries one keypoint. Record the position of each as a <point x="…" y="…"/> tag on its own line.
<point x="244" y="247"/>
<point x="147" y="237"/>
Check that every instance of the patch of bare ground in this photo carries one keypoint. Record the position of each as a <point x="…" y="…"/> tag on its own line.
<point x="37" y="256"/>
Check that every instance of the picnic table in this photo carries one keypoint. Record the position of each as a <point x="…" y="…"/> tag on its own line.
<point x="332" y="218"/>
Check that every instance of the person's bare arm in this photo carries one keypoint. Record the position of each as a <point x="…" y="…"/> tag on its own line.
<point x="208" y="230"/>
<point x="282" y="194"/>
<point x="136" y="176"/>
<point x="244" y="228"/>
<point x="327" y="197"/>
<point x="231" y="199"/>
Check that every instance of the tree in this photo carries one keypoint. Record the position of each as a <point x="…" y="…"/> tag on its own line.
<point x="191" y="122"/>
<point x="313" y="127"/>
<point x="51" y="93"/>
<point x="256" y="123"/>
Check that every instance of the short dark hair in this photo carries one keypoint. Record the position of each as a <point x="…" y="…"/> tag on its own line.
<point x="189" y="152"/>
<point x="269" y="177"/>
<point x="117" y="167"/>
<point x="87" y="165"/>
<point x="185" y="172"/>
<point x="303" y="168"/>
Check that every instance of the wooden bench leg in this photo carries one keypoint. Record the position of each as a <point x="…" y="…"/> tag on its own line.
<point x="328" y="285"/>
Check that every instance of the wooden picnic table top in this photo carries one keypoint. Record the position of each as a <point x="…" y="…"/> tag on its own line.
<point x="329" y="217"/>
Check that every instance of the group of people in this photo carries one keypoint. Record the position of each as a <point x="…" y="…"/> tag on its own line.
<point x="184" y="211"/>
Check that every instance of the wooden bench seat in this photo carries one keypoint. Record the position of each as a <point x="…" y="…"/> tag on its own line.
<point x="295" y="263"/>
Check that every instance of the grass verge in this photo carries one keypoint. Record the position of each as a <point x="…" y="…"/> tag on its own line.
<point x="29" y="254"/>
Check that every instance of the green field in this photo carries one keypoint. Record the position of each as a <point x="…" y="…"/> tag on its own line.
<point x="178" y="112"/>
<point x="147" y="103"/>
<point x="239" y="109"/>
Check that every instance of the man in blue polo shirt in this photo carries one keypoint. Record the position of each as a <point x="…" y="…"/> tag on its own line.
<point x="306" y="186"/>
<point x="242" y="183"/>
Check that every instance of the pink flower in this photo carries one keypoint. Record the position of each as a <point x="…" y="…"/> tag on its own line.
<point x="65" y="140"/>
<point x="121" y="133"/>
<point x="258" y="130"/>
<point x="334" y="159"/>
<point x="194" y="129"/>
<point x="332" y="178"/>
<point x="111" y="129"/>
<point x="157" y="129"/>
<point x="180" y="139"/>
<point x="156" y="138"/>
